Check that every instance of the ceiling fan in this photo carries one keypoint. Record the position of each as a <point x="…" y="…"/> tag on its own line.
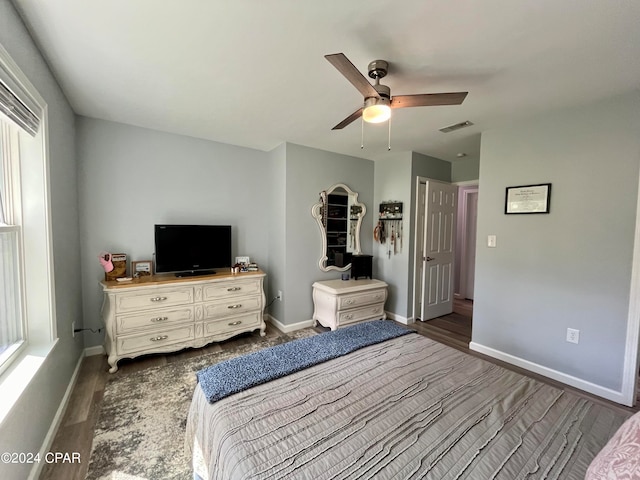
<point x="378" y="101"/>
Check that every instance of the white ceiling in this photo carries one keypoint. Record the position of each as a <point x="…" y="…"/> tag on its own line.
<point x="253" y="73"/>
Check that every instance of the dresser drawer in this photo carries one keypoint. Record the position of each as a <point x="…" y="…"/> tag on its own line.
<point x="156" y="319"/>
<point x="232" y="306"/>
<point x="154" y="341"/>
<point x="369" y="312"/>
<point x="360" y="299"/>
<point x="250" y="286"/>
<point x="131" y="302"/>
<point x="239" y="323"/>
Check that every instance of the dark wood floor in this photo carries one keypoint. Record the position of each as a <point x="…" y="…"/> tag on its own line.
<point x="75" y="433"/>
<point x="453" y="329"/>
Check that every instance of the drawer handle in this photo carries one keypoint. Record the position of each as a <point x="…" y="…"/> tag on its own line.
<point x="158" y="338"/>
<point x="235" y="323"/>
<point x="158" y="299"/>
<point x="159" y="319"/>
<point x="379" y="296"/>
<point x="234" y="289"/>
<point x="350" y="301"/>
<point x="237" y="305"/>
<point x="349" y="316"/>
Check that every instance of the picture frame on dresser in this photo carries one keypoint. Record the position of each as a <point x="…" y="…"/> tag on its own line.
<point x="119" y="262"/>
<point x="243" y="260"/>
<point x="142" y="268"/>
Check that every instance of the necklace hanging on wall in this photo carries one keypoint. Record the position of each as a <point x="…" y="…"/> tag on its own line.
<point x="390" y="224"/>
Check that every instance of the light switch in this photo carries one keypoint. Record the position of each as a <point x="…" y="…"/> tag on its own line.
<point x="491" y="241"/>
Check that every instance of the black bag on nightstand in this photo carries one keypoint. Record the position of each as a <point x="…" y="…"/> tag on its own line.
<point x="361" y="266"/>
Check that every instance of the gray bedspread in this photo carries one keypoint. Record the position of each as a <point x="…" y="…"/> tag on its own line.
<point x="405" y="408"/>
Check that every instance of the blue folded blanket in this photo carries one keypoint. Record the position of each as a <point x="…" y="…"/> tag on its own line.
<point x="240" y="373"/>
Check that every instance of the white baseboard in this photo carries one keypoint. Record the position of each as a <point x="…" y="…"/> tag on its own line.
<point x="97" y="350"/>
<point x="288" y="328"/>
<point x="57" y="419"/>
<point x="400" y="318"/>
<point x="579" y="383"/>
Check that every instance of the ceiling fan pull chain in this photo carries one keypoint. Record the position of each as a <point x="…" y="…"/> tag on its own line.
<point x="362" y="135"/>
<point x="389" y="143"/>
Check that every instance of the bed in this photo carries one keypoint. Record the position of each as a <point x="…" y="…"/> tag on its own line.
<point x="405" y="407"/>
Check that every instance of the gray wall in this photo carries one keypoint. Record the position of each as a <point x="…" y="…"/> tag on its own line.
<point x="26" y="426"/>
<point x="308" y="172"/>
<point x="395" y="179"/>
<point x="572" y="267"/>
<point x="465" y="169"/>
<point x="132" y="178"/>
<point x="165" y="178"/>
<point x="392" y="180"/>
<point x="277" y="228"/>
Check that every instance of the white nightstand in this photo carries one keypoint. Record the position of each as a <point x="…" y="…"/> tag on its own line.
<point x="341" y="302"/>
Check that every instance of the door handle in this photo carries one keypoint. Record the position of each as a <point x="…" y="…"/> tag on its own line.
<point x="428" y="259"/>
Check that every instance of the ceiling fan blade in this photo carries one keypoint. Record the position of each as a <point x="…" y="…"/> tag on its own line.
<point x="354" y="116"/>
<point x="428" y="99"/>
<point x="351" y="73"/>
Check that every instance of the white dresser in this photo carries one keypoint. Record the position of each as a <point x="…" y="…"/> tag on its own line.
<point x="341" y="302"/>
<point x="163" y="313"/>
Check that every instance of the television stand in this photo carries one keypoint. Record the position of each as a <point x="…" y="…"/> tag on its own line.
<point x="195" y="273"/>
<point x="162" y="313"/>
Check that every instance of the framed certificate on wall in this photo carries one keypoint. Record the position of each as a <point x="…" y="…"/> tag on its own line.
<point x="528" y="199"/>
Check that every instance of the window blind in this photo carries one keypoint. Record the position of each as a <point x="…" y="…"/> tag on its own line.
<point x="17" y="111"/>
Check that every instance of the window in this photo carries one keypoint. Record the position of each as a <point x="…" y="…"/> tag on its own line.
<point x="27" y="305"/>
<point x="12" y="332"/>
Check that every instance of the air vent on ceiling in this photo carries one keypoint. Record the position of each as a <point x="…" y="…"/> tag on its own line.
<point x="457" y="126"/>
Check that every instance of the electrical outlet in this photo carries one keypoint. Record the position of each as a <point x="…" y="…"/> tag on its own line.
<point x="73" y="329"/>
<point x="573" y="335"/>
<point x="279" y="297"/>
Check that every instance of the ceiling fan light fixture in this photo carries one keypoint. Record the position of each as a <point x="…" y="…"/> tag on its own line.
<point x="376" y="110"/>
<point x="377" y="98"/>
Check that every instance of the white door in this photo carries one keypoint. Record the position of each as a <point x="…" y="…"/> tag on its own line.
<point x="438" y="250"/>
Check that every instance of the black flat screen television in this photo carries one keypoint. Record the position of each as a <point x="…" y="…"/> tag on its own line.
<point x="192" y="249"/>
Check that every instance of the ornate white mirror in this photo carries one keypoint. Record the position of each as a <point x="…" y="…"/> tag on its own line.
<point x="339" y="216"/>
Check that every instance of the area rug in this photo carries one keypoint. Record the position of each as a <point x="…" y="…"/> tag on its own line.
<point x="140" y="430"/>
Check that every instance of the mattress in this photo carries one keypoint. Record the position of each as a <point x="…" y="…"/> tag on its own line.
<point x="402" y="409"/>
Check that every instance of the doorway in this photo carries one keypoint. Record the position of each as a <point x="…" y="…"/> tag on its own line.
<point x="466" y="229"/>
<point x="453" y="326"/>
<point x="435" y="247"/>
